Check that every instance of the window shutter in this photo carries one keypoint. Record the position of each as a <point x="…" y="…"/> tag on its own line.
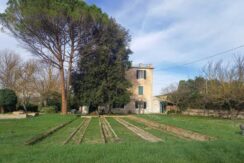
<point x="136" y="105"/>
<point x="140" y="90"/>
<point x="145" y="74"/>
<point x="145" y="105"/>
<point x="137" y="74"/>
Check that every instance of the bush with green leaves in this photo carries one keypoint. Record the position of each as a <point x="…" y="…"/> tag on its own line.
<point x="29" y="107"/>
<point x="8" y="100"/>
<point x="48" y="109"/>
<point x="173" y="112"/>
<point x="53" y="99"/>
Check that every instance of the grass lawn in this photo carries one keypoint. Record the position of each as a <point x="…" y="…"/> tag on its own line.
<point x="228" y="147"/>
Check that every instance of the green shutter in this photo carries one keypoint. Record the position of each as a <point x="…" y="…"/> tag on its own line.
<point x="140" y="90"/>
<point x="145" y="74"/>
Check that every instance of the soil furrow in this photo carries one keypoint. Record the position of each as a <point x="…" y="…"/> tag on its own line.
<point x="104" y="139"/>
<point x="42" y="136"/>
<point x="108" y="133"/>
<point x="172" y="129"/>
<point x="83" y="129"/>
<point x="73" y="133"/>
<point x="138" y="131"/>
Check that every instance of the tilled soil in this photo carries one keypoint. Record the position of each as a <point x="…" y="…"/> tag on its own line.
<point x="108" y="133"/>
<point x="172" y="129"/>
<point x="44" y="135"/>
<point x="77" y="135"/>
<point x="82" y="131"/>
<point x="138" y="131"/>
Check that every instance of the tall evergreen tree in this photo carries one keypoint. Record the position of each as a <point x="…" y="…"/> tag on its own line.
<point x="100" y="77"/>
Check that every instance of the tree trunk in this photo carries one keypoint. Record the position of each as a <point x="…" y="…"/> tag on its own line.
<point x="71" y="58"/>
<point x="24" y="107"/>
<point x="69" y="79"/>
<point x="110" y="109"/>
<point x="1" y="109"/>
<point x="63" y="92"/>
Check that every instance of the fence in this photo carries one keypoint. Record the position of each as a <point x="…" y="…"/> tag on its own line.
<point x="215" y="113"/>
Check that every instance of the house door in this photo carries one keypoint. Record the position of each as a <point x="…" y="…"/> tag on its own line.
<point x="162" y="107"/>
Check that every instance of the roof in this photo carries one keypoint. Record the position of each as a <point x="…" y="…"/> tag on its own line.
<point x="143" y="66"/>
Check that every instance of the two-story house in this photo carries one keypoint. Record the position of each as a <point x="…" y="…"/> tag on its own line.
<point x="141" y="77"/>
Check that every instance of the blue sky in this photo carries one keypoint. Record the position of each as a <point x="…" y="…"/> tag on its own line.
<point x="169" y="33"/>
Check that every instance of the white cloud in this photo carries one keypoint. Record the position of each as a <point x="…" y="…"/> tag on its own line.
<point x="144" y="41"/>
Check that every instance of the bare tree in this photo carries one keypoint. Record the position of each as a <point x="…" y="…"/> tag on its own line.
<point x="9" y="69"/>
<point x="26" y="84"/>
<point x="170" y="89"/>
<point x="238" y="70"/>
<point x="47" y="80"/>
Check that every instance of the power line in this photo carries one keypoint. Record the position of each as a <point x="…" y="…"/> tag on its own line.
<point x="204" y="58"/>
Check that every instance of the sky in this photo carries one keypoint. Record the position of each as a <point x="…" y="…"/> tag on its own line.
<point x="170" y="33"/>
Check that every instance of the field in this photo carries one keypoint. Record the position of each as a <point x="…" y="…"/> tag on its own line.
<point x="121" y="139"/>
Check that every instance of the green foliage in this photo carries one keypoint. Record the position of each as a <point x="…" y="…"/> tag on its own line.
<point x="204" y="94"/>
<point x="53" y="99"/>
<point x="100" y="77"/>
<point x="29" y="107"/>
<point x="190" y="93"/>
<point x="8" y="100"/>
<point x="173" y="112"/>
<point x="33" y="12"/>
<point x="73" y="102"/>
<point x="48" y="109"/>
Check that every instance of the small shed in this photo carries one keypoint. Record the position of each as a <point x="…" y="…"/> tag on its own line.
<point x="163" y="104"/>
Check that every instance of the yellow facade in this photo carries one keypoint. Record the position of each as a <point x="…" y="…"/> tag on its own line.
<point x="142" y="100"/>
<point x="141" y="78"/>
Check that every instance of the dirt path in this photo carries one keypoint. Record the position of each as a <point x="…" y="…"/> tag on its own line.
<point x="47" y="133"/>
<point x="82" y="130"/>
<point x="138" y="131"/>
<point x="107" y="131"/>
<point x="73" y="133"/>
<point x="175" y="130"/>
<point x="78" y="133"/>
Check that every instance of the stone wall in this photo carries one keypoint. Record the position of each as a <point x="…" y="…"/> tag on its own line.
<point x="13" y="116"/>
<point x="215" y="113"/>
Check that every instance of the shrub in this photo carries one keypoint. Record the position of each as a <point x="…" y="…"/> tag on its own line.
<point x="48" y="109"/>
<point x="173" y="112"/>
<point x="8" y="100"/>
<point x="29" y="107"/>
<point x="240" y="106"/>
<point x="53" y="99"/>
<point x="129" y="112"/>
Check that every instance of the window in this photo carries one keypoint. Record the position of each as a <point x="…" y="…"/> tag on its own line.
<point x="140" y="104"/>
<point x="141" y="74"/>
<point x="116" y="105"/>
<point x="140" y="90"/>
<point x="145" y="105"/>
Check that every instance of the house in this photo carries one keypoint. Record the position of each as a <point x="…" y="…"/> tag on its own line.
<point x="141" y="77"/>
